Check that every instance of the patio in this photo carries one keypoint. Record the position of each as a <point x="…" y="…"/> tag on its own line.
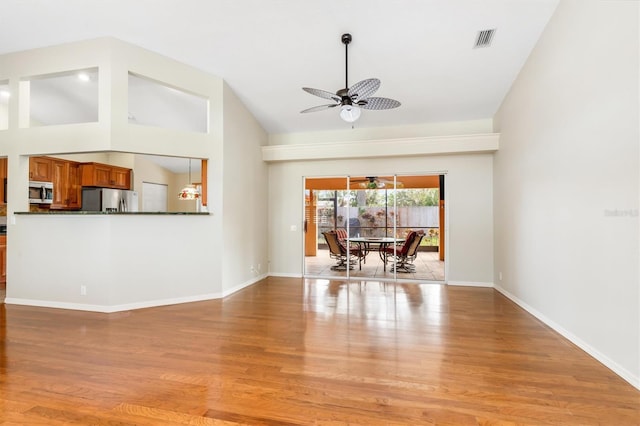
<point x="428" y="267"/>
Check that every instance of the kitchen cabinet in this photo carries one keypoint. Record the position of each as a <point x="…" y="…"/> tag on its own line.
<point x="59" y="171"/>
<point x="121" y="177"/>
<point x="66" y="184"/>
<point x="40" y="169"/>
<point x="3" y="176"/>
<point x="75" y="188"/>
<point x="3" y="259"/>
<point x="105" y="176"/>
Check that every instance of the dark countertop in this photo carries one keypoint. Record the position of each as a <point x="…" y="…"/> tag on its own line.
<point x="86" y="213"/>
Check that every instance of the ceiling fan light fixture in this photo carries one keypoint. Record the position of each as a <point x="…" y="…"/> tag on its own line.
<point x="349" y="113"/>
<point x="352" y="98"/>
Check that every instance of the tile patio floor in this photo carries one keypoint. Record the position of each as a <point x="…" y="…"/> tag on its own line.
<point x="428" y="267"/>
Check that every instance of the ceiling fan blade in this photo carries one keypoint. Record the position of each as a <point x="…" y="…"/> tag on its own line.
<point x="379" y="103"/>
<point x="363" y="89"/>
<point x="319" y="108"/>
<point x="322" y="93"/>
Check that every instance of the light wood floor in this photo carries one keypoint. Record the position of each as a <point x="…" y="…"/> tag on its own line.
<point x="293" y="352"/>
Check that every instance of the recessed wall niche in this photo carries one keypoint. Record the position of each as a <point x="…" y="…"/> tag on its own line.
<point x="62" y="98"/>
<point x="152" y="103"/>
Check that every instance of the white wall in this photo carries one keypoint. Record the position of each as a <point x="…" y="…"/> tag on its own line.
<point x="124" y="261"/>
<point x="149" y="259"/>
<point x="245" y="200"/>
<point x="468" y="199"/>
<point x="568" y="161"/>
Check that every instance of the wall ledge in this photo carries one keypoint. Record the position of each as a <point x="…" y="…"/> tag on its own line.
<point x="432" y="145"/>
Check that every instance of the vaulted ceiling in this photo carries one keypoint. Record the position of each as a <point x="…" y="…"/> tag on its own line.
<point x="267" y="50"/>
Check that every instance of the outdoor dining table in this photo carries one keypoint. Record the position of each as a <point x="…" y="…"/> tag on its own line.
<point x="367" y="244"/>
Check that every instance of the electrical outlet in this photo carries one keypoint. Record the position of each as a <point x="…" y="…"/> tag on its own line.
<point x="500" y="276"/>
<point x="259" y="267"/>
<point x="83" y="290"/>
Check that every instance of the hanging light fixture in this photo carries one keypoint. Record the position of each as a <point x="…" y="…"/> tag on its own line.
<point x="189" y="192"/>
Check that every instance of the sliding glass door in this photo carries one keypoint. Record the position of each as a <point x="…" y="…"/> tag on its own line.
<point x="371" y="215"/>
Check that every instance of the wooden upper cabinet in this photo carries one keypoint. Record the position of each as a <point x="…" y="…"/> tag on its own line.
<point x="75" y="188"/>
<point x="3" y="176"/>
<point x="67" y="191"/>
<point x="59" y="174"/>
<point x="121" y="177"/>
<point x="100" y="175"/>
<point x="106" y="176"/>
<point x="40" y="169"/>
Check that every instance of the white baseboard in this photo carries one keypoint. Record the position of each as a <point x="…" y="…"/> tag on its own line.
<point x="603" y="359"/>
<point x="113" y="308"/>
<point x="130" y="306"/>
<point x="284" y="275"/>
<point x="470" y="284"/>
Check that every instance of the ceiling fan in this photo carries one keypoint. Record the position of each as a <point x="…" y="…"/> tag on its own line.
<point x="351" y="99"/>
<point x="374" y="182"/>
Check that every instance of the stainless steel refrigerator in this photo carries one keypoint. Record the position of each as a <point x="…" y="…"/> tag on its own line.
<point x="109" y="200"/>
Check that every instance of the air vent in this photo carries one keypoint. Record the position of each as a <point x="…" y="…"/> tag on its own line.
<point x="484" y="38"/>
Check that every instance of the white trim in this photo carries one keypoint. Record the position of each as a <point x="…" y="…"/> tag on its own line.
<point x="470" y="284"/>
<point x="130" y="306"/>
<point x="110" y="309"/>
<point x="432" y="145"/>
<point x="603" y="359"/>
<point x="285" y="275"/>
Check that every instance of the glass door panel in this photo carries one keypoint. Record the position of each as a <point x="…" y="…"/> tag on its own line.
<point x="371" y="224"/>
<point x="371" y="214"/>
<point x="322" y="199"/>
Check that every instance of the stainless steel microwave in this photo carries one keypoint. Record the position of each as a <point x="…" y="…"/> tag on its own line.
<point x="40" y="192"/>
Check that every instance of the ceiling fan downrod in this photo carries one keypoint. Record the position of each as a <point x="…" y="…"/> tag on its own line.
<point x="346" y="39"/>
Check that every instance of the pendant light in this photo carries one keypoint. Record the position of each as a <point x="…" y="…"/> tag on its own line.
<point x="189" y="192"/>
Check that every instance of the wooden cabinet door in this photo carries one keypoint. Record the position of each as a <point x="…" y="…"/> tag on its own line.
<point x="121" y="177"/>
<point x="102" y="175"/>
<point x="3" y="259"/>
<point x="3" y="176"/>
<point x="105" y="176"/>
<point x="40" y="169"/>
<point x="74" y="188"/>
<point x="59" y="173"/>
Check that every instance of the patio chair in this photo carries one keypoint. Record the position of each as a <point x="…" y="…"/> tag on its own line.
<point x="342" y="235"/>
<point x="342" y="239"/>
<point x="398" y="254"/>
<point x="346" y="258"/>
<point x="405" y="263"/>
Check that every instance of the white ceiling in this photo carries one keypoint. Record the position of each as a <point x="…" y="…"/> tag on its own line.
<point x="267" y="50"/>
